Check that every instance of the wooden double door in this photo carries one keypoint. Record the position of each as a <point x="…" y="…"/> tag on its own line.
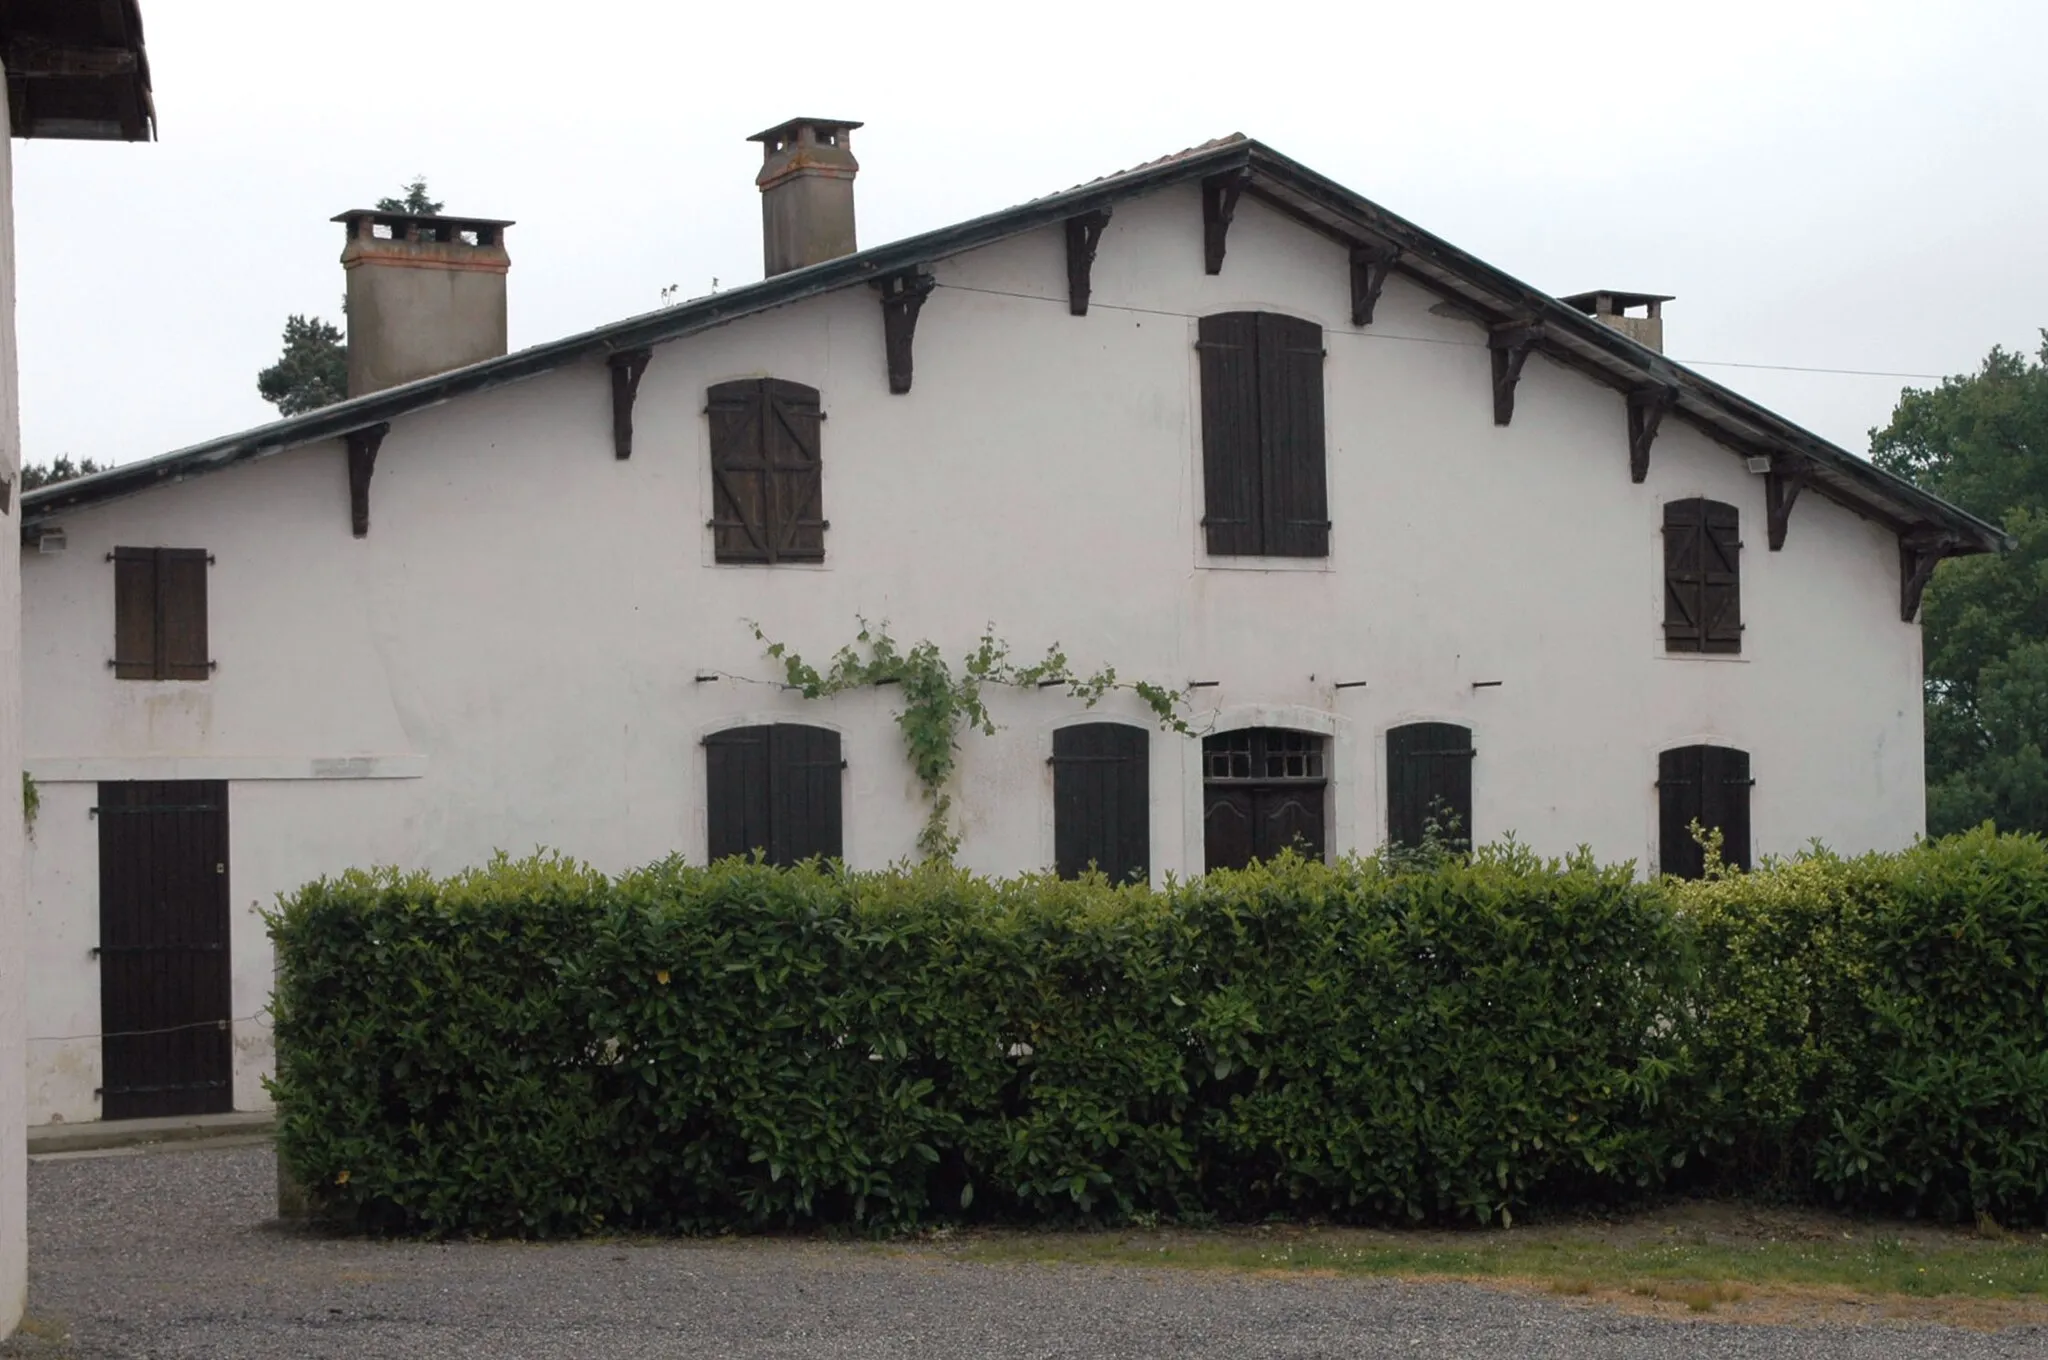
<point x="167" y="1043"/>
<point x="1263" y="792"/>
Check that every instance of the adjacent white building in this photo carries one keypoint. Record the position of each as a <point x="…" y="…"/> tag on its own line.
<point x="73" y="72"/>
<point x="1415" y="538"/>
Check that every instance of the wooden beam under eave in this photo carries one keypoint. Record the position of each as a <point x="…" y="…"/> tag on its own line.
<point x="903" y="295"/>
<point x="1219" y="205"/>
<point x="627" y="366"/>
<point x="1782" y="485"/>
<point x="1509" y="346"/>
<point x="362" y="465"/>
<point x="1084" y="234"/>
<point x="1919" y="555"/>
<point x="1646" y="408"/>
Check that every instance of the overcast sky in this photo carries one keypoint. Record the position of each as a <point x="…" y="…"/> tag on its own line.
<point x="1830" y="185"/>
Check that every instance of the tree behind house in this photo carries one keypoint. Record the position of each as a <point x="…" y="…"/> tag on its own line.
<point x="313" y="370"/>
<point x="61" y="469"/>
<point x="1982" y="442"/>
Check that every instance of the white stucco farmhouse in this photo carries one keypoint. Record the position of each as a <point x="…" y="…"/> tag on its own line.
<point x="1415" y="538"/>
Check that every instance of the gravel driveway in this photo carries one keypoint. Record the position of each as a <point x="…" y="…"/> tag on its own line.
<point x="172" y="1253"/>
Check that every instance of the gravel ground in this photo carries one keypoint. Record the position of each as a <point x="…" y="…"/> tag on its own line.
<point x="173" y="1253"/>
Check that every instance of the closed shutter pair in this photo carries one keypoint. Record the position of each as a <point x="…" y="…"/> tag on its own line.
<point x="767" y="474"/>
<point x="774" y="789"/>
<point x="1264" y="483"/>
<point x="1702" y="577"/>
<point x="160" y="614"/>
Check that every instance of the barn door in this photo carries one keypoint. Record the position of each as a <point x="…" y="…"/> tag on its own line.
<point x="166" y="1045"/>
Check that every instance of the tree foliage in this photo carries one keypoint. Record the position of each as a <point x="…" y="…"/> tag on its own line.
<point x="313" y="370"/>
<point x="415" y="201"/>
<point x="60" y="469"/>
<point x="1981" y="442"/>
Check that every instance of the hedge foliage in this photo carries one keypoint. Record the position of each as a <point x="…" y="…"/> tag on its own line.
<point x="533" y="1048"/>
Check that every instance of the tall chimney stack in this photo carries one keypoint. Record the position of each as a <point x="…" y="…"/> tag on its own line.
<point x="1610" y="308"/>
<point x="425" y="294"/>
<point x="806" y="181"/>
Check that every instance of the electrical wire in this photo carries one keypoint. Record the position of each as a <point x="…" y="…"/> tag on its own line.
<point x="1380" y="334"/>
<point x="143" y="1033"/>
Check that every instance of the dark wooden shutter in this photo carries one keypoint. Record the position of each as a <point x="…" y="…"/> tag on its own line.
<point x="1232" y="515"/>
<point x="1294" y="492"/>
<point x="181" y="613"/>
<point x="1429" y="777"/>
<point x="796" y="490"/>
<point x="1721" y="577"/>
<point x="1101" y="799"/>
<point x="1228" y="827"/>
<point x="1680" y="787"/>
<point x="135" y="624"/>
<point x="1702" y="577"/>
<point x="1725" y="784"/>
<point x="1709" y="785"/>
<point x="1288" y="817"/>
<point x="804" y="781"/>
<point x="740" y="479"/>
<point x="737" y="792"/>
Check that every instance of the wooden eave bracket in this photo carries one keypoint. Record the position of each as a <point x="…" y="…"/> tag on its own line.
<point x="626" y="366"/>
<point x="362" y="463"/>
<point x="1646" y="408"/>
<point x="1782" y="485"/>
<point x="1370" y="265"/>
<point x="1510" y="345"/>
<point x="6" y="494"/>
<point x="1919" y="555"/>
<point x="903" y="295"/>
<point x="1219" y="204"/>
<point x="1084" y="234"/>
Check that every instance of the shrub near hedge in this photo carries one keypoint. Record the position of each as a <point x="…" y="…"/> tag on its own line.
<point x="531" y="1048"/>
<point x="1877" y="1028"/>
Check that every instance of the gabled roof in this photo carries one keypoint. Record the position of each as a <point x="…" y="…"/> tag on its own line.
<point x="1494" y="299"/>
<point x="77" y="69"/>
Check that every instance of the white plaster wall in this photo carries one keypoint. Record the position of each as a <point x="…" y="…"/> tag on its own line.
<point x="14" y="957"/>
<point x="520" y="631"/>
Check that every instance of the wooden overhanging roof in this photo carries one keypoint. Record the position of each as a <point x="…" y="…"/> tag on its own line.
<point x="1529" y="319"/>
<point x="76" y="69"/>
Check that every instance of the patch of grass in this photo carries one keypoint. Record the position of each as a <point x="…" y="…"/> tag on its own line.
<point x="1700" y="1274"/>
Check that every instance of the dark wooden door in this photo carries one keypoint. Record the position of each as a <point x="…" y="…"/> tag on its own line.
<point x="166" y="1042"/>
<point x="1246" y="823"/>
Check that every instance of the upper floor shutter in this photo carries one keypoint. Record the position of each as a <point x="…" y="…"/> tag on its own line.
<point x="1709" y="785"/>
<point x="1101" y="797"/>
<point x="1294" y="496"/>
<point x="739" y="473"/>
<point x="135" y="614"/>
<point x="1231" y="464"/>
<point x="160" y="614"/>
<point x="1429" y="780"/>
<point x="1702" y="577"/>
<point x="796" y="485"/>
<point x="181" y="618"/>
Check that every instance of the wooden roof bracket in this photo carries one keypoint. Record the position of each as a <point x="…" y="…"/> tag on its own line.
<point x="6" y="494"/>
<point x="362" y="462"/>
<point x="1219" y="204"/>
<point x="1370" y="265"/>
<point x="1646" y="408"/>
<point x="1782" y="485"/>
<point x="1084" y="234"/>
<point x="627" y="365"/>
<point x="1510" y="345"/>
<point x="1919" y="554"/>
<point x="903" y="295"/>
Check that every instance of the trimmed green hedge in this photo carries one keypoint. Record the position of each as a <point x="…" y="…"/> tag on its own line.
<point x="533" y="1048"/>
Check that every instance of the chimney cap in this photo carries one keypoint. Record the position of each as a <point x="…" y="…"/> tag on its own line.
<point x="382" y="218"/>
<point x="771" y="134"/>
<point x="1616" y="300"/>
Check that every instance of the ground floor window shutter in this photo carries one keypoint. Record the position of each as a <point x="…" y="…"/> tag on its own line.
<point x="1429" y="784"/>
<point x="1709" y="785"/>
<point x="1102" y="804"/>
<point x="775" y="789"/>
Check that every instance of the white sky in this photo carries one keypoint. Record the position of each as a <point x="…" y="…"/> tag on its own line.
<point x="1839" y="185"/>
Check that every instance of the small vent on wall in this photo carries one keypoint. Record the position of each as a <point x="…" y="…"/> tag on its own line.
<point x="51" y="541"/>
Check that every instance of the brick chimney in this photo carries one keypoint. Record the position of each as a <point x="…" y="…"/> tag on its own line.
<point x="1611" y="308"/>
<point x="806" y="181"/>
<point x="425" y="294"/>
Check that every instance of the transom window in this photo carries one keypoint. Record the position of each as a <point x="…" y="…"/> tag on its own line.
<point x="1263" y="754"/>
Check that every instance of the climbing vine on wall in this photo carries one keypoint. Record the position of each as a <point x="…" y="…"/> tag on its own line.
<point x="939" y="704"/>
<point x="31" y="800"/>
